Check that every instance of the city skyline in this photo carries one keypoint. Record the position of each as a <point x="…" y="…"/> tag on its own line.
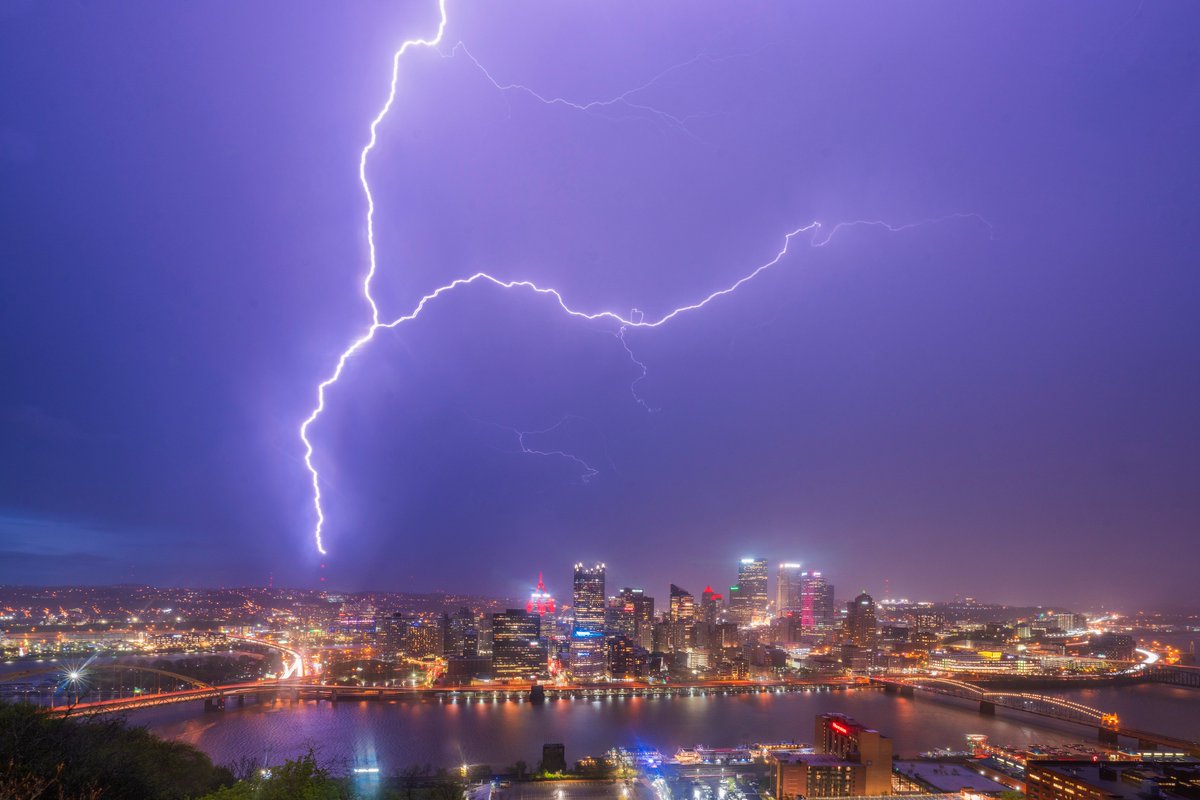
<point x="973" y="372"/>
<point x="541" y="400"/>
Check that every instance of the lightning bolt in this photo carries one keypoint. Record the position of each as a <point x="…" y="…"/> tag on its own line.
<point x="622" y="99"/>
<point x="587" y="470"/>
<point x="642" y="370"/>
<point x="635" y="319"/>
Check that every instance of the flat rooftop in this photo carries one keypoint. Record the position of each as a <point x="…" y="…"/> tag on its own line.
<point x="947" y="777"/>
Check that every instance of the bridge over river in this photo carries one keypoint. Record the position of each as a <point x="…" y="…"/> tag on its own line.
<point x="1108" y="725"/>
<point x="182" y="688"/>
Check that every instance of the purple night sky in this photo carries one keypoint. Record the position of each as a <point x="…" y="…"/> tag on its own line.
<point x="1010" y="411"/>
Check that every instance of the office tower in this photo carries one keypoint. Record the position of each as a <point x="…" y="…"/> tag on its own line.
<point x="739" y="611"/>
<point x="748" y="599"/>
<point x="707" y="616"/>
<point x="860" y="628"/>
<point x="817" y="612"/>
<point x="588" y="597"/>
<point x="541" y="603"/>
<point x="625" y="658"/>
<point x="788" y="628"/>
<point x="618" y="617"/>
<point x="484" y="642"/>
<point x="788" y="589"/>
<point x="726" y="635"/>
<point x="661" y="642"/>
<point x="851" y="761"/>
<point x="682" y="615"/>
<point x="710" y="606"/>
<point x="389" y="635"/>
<point x="587" y="656"/>
<point x="683" y="604"/>
<point x="462" y="634"/>
<point x="425" y="636"/>
<point x="518" y="651"/>
<point x="925" y="625"/>
<point x="642" y="608"/>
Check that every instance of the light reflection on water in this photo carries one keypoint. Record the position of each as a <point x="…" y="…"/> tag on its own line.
<point x="400" y="734"/>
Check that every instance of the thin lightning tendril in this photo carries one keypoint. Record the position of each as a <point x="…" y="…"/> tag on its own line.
<point x="588" y="471"/>
<point x="636" y="318"/>
<point x="642" y="370"/>
<point x="622" y="99"/>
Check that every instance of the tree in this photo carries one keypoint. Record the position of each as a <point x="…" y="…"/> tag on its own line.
<point x="298" y="779"/>
<point x="74" y="757"/>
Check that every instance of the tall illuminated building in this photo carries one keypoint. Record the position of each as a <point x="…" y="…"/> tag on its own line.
<point x="625" y="659"/>
<point x="641" y="606"/>
<point x="710" y="605"/>
<point x="541" y="603"/>
<point x="462" y="634"/>
<point x="682" y="614"/>
<point x="618" y="618"/>
<point x="588" y="598"/>
<point x="788" y="589"/>
<point x="518" y="651"/>
<point x="817" y="611"/>
<point x="748" y="599"/>
<point x="852" y="760"/>
<point x="587" y="656"/>
<point x="861" y="625"/>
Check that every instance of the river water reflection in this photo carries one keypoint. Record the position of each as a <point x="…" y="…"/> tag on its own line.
<point x="396" y="735"/>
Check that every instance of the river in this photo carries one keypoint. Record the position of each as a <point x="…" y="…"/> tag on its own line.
<point x="396" y="735"/>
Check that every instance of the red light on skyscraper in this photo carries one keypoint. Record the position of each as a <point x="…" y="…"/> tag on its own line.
<point x="540" y="601"/>
<point x="839" y="727"/>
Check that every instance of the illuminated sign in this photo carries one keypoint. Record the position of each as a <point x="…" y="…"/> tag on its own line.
<point x="839" y="727"/>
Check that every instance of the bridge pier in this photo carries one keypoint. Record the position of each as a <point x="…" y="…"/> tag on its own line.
<point x="214" y="704"/>
<point x="1109" y="736"/>
<point x="907" y="691"/>
<point x="987" y="707"/>
<point x="241" y="698"/>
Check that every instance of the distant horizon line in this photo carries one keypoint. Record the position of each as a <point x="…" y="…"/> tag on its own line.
<point x="449" y="593"/>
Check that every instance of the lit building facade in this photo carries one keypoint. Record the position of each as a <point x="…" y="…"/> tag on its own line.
<point x="1114" y="780"/>
<point x="802" y="775"/>
<point x="817" y="610"/>
<point x="588" y="598"/>
<point x="867" y="752"/>
<point x="710" y="606"/>
<point x="625" y="658"/>
<point x="788" y="589"/>
<point x="518" y="651"/>
<point x="748" y="600"/>
<point x="541" y="603"/>
<point x="641" y="606"/>
<point x="682" y="615"/>
<point x="587" y="656"/>
<point x="861" y="624"/>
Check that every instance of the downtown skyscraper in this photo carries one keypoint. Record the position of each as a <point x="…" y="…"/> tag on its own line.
<point x="788" y="589"/>
<point x="817" y="610"/>
<point x="748" y="599"/>
<point x="588" y="598"/>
